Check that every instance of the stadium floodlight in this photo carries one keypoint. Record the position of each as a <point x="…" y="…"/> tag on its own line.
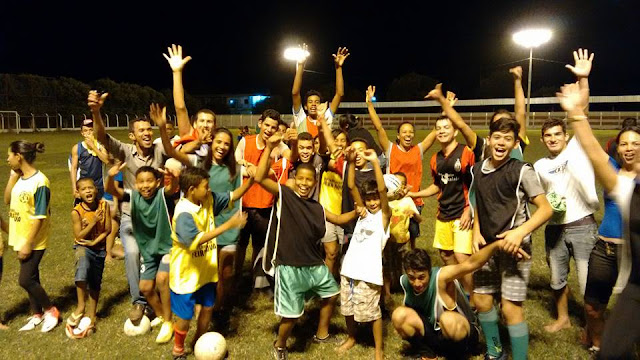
<point x="296" y="54"/>
<point x="531" y="38"/>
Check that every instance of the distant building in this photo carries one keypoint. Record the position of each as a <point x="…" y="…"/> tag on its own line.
<point x="236" y="103"/>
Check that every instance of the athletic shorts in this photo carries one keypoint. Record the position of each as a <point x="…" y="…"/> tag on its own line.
<point x="183" y="305"/>
<point x="434" y="343"/>
<point x="449" y="237"/>
<point x="89" y="266"/>
<point x="505" y="274"/>
<point x="333" y="233"/>
<point x="295" y="283"/>
<point x="360" y="299"/>
<point x="150" y="267"/>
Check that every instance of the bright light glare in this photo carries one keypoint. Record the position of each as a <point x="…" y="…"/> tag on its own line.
<point x="532" y="37"/>
<point x="295" y="54"/>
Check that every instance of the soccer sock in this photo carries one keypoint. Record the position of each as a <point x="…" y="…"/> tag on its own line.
<point x="179" y="337"/>
<point x="489" y="324"/>
<point x="519" y="335"/>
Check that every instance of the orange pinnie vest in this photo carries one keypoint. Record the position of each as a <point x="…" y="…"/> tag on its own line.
<point x="410" y="163"/>
<point x="256" y="196"/>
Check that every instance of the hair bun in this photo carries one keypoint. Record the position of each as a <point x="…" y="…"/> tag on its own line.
<point x="39" y="147"/>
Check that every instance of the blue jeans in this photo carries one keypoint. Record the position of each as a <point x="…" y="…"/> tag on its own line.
<point x="562" y="242"/>
<point x="131" y="259"/>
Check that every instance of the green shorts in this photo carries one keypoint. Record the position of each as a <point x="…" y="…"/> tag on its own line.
<point x="295" y="283"/>
<point x="150" y="267"/>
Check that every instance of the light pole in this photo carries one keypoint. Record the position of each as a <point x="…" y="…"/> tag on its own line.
<point x="296" y="53"/>
<point x="531" y="38"/>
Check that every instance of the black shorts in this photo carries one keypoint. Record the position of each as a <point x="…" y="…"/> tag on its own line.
<point x="433" y="343"/>
<point x="603" y="272"/>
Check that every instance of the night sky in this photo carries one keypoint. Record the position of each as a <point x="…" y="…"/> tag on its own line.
<point x="237" y="46"/>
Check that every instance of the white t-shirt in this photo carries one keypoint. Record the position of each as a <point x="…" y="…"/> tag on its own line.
<point x="622" y="194"/>
<point x="300" y="116"/>
<point x="571" y="176"/>
<point x="363" y="260"/>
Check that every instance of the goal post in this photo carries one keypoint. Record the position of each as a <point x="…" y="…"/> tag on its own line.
<point x="9" y="121"/>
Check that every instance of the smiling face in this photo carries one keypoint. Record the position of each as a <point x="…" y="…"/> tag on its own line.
<point x="86" y="131"/>
<point x="220" y="146"/>
<point x="360" y="147"/>
<point x="501" y="144"/>
<point x="372" y="203"/>
<point x="341" y="141"/>
<point x="405" y="135"/>
<point x="445" y="131"/>
<point x="555" y="139"/>
<point x="304" y="182"/>
<point x="305" y="150"/>
<point x="629" y="149"/>
<point x="268" y="127"/>
<point x="202" y="191"/>
<point x="312" y="105"/>
<point x="142" y="134"/>
<point x="205" y="120"/>
<point x="147" y="184"/>
<point x="87" y="190"/>
<point x="419" y="280"/>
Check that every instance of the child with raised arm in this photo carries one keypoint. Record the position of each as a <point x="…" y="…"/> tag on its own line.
<point x="151" y="209"/>
<point x="306" y="117"/>
<point x="194" y="260"/>
<point x="504" y="186"/>
<point x="361" y="275"/>
<point x="403" y="156"/>
<point x="292" y="249"/>
<point x="91" y="220"/>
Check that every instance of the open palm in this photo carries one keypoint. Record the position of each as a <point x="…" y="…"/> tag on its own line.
<point x="175" y="59"/>
<point x="583" y="62"/>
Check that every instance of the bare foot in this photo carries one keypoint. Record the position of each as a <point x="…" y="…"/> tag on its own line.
<point x="558" y="325"/>
<point x="3" y="326"/>
<point x="346" y="345"/>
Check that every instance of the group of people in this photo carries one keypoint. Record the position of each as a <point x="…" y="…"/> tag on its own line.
<point x="332" y="213"/>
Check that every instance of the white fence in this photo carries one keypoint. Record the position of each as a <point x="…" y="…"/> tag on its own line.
<point x="12" y="121"/>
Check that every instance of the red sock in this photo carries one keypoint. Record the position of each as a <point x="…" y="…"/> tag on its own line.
<point x="179" y="337"/>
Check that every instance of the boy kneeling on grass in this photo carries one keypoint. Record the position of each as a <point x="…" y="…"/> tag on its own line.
<point x="293" y="246"/>
<point x="361" y="274"/>
<point x="91" y="220"/>
<point x="194" y="263"/>
<point x="151" y="219"/>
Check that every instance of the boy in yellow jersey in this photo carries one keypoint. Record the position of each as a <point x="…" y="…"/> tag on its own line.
<point x="194" y="263"/>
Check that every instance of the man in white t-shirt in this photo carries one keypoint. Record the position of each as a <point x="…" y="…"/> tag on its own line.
<point x="305" y="117"/>
<point x="568" y="180"/>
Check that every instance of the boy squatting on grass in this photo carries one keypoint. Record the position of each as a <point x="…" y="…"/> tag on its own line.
<point x="194" y="264"/>
<point x="436" y="317"/>
<point x="151" y="211"/>
<point x="293" y="246"/>
<point x="91" y="220"/>
<point x="361" y="275"/>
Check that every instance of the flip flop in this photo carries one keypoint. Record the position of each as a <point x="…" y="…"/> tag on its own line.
<point x="74" y="319"/>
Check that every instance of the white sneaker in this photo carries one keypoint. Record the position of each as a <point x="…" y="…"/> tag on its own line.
<point x="157" y="321"/>
<point x="34" y="321"/>
<point x="51" y="319"/>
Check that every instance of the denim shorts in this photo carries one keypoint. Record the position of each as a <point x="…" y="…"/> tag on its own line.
<point x="603" y="272"/>
<point x="89" y="266"/>
<point x="563" y="242"/>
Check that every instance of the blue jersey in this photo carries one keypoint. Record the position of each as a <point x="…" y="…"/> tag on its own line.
<point x="611" y="225"/>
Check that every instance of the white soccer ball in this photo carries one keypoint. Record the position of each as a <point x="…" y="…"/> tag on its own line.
<point x="173" y="164"/>
<point x="210" y="346"/>
<point x="392" y="183"/>
<point x="141" y="329"/>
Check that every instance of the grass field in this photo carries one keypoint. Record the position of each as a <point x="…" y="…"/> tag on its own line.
<point x="253" y="323"/>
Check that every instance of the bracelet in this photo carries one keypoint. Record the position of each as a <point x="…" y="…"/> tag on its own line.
<point x="575" y="118"/>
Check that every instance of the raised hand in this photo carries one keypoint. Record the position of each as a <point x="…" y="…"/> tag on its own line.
<point x="116" y="168"/>
<point x="350" y="153"/>
<point x="516" y="72"/>
<point x="291" y="134"/>
<point x="436" y="94"/>
<point x="274" y="140"/>
<point x="175" y="59"/>
<point x="451" y="98"/>
<point x="573" y="99"/>
<point x="204" y="135"/>
<point x="340" y="56"/>
<point x="370" y="93"/>
<point x="321" y="109"/>
<point x="158" y="114"/>
<point x="370" y="155"/>
<point x="583" y="60"/>
<point x="96" y="100"/>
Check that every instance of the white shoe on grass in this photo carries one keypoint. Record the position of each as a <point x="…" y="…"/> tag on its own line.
<point x="34" y="321"/>
<point x="157" y="321"/>
<point x="165" y="333"/>
<point x="51" y="319"/>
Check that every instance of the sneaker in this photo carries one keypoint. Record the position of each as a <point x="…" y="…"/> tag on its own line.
<point x="502" y="356"/>
<point x="136" y="313"/>
<point x="51" y="319"/>
<point x="157" y="321"/>
<point x="327" y="340"/>
<point x="34" y="321"/>
<point x="280" y="353"/>
<point x="165" y="333"/>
